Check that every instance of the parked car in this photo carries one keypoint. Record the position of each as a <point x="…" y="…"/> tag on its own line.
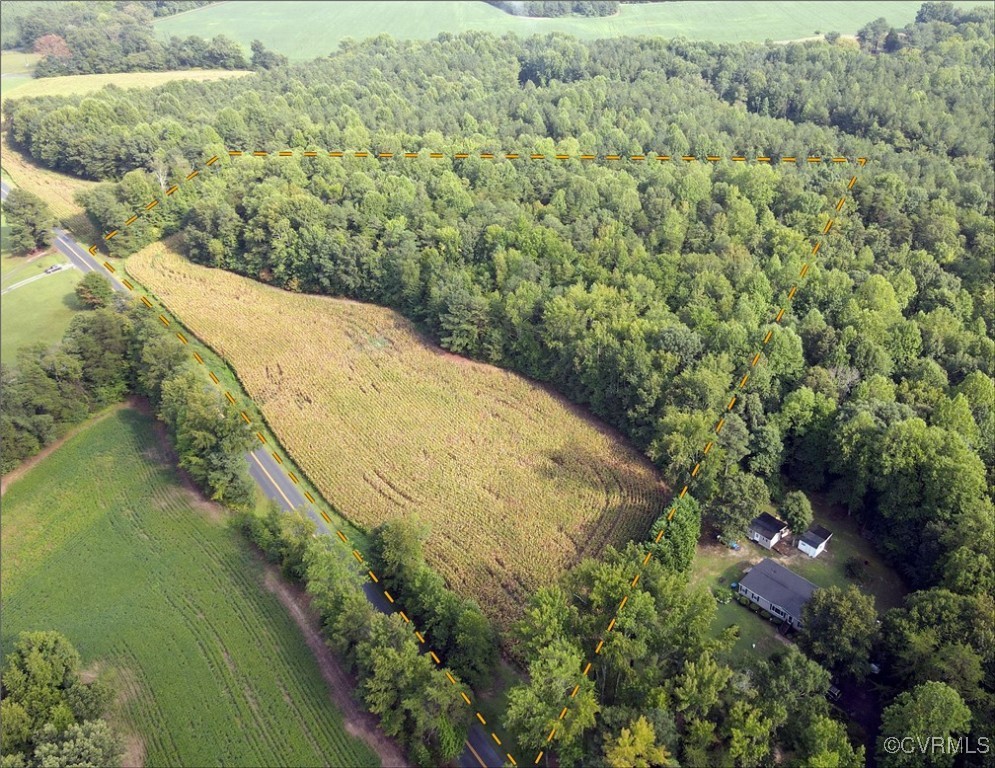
<point x="833" y="693"/>
<point x="51" y="269"/>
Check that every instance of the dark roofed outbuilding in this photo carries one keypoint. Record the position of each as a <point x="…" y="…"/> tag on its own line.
<point x="767" y="530"/>
<point x="813" y="541"/>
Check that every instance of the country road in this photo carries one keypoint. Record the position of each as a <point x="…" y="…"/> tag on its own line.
<point x="480" y="751"/>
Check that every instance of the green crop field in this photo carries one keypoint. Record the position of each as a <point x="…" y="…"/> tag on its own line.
<point x="102" y="543"/>
<point x="39" y="311"/>
<point x="303" y="30"/>
<point x="82" y="84"/>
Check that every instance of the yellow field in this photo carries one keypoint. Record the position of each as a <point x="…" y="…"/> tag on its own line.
<point x="514" y="483"/>
<point x="80" y="84"/>
<point x="56" y="189"/>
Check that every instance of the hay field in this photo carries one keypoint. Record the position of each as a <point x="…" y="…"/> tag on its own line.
<point x="514" y="483"/>
<point x="70" y="85"/>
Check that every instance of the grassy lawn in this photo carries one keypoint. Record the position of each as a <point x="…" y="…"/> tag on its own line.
<point x="828" y="569"/>
<point x="716" y="567"/>
<point x="304" y="30"/>
<point x="102" y="542"/>
<point x="39" y="311"/>
<point x="17" y="70"/>
<point x="80" y="84"/>
<point x="18" y="63"/>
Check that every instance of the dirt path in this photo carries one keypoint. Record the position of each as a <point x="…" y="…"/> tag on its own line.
<point x="19" y="472"/>
<point x="357" y="722"/>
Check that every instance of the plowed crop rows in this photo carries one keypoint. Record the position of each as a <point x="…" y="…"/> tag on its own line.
<point x="514" y="483"/>
<point x="102" y="543"/>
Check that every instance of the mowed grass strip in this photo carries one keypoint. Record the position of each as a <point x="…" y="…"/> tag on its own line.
<point x="101" y="542"/>
<point x="515" y="483"/>
<point x="71" y="85"/>
<point x="58" y="190"/>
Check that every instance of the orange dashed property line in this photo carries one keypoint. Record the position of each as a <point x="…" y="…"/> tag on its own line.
<point x="489" y="156"/>
<point x="718" y="427"/>
<point x="296" y="480"/>
<point x="509" y="155"/>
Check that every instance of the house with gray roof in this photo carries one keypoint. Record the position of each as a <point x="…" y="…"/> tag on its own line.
<point x="777" y="590"/>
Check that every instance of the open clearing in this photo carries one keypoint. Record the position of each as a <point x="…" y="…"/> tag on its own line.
<point x="58" y="190"/>
<point x="81" y="84"/>
<point x="36" y="312"/>
<point x="716" y="566"/>
<point x="515" y="484"/>
<point x="16" y="69"/>
<point x="304" y="30"/>
<point x="102" y="542"/>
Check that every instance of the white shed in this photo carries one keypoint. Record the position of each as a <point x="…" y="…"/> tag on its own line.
<point x="813" y="541"/>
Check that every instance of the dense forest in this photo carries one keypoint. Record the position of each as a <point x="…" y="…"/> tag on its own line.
<point x="48" y="715"/>
<point x="641" y="290"/>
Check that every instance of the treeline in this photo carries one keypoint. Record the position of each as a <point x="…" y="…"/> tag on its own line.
<point x="48" y="715"/>
<point x="660" y="690"/>
<point x="457" y="627"/>
<point x="417" y="704"/>
<point x="554" y="8"/>
<point x="78" y="38"/>
<point x="106" y="354"/>
<point x="22" y="25"/>
<point x="29" y="219"/>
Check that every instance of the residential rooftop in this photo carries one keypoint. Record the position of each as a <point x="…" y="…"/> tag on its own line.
<point x="768" y="525"/>
<point x="780" y="586"/>
<point x="816" y="535"/>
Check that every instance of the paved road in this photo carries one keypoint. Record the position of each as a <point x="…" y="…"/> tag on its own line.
<point x="480" y="750"/>
<point x="277" y="486"/>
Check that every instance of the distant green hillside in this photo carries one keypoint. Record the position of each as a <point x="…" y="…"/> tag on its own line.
<point x="303" y="30"/>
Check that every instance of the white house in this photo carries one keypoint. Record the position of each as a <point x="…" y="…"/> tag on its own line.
<point x="767" y="530"/>
<point x="813" y="541"/>
<point x="777" y="590"/>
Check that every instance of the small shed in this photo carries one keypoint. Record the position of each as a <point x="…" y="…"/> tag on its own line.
<point x="767" y="530"/>
<point x="813" y="541"/>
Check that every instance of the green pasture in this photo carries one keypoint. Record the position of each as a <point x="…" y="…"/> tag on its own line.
<point x="304" y="30"/>
<point x="102" y="542"/>
<point x="39" y="311"/>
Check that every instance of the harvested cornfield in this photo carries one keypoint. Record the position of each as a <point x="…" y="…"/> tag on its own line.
<point x="515" y="483"/>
